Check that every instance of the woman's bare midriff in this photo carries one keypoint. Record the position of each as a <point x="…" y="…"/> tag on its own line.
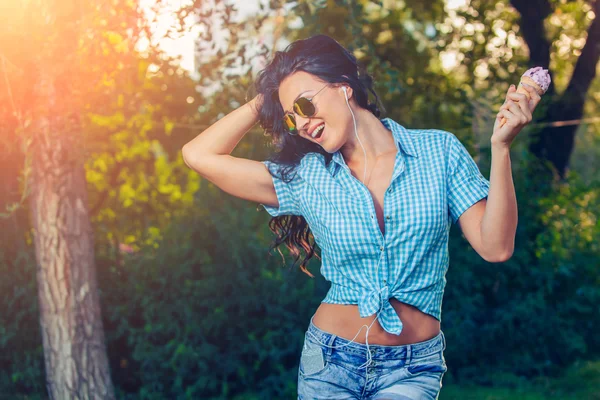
<point x="343" y="320"/>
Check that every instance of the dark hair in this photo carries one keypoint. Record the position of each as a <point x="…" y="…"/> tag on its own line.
<point x="323" y="57"/>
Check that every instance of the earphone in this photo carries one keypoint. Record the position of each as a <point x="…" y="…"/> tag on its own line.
<point x="356" y="133"/>
<point x="369" y="355"/>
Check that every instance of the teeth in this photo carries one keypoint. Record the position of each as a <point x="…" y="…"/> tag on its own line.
<point x="317" y="130"/>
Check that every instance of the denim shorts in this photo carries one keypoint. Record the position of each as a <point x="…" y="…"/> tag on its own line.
<point x="332" y="367"/>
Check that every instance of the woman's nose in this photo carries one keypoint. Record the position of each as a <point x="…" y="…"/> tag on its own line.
<point x="302" y="123"/>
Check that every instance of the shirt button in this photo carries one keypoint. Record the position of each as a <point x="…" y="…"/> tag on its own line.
<point x="385" y="281"/>
<point x="381" y="248"/>
<point x="388" y="217"/>
<point x="390" y="190"/>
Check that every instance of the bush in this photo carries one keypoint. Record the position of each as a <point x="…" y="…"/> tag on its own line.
<point x="537" y="312"/>
<point x="207" y="314"/>
<point x="21" y="351"/>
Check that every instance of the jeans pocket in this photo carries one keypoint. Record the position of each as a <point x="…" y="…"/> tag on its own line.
<point x="431" y="363"/>
<point x="312" y="359"/>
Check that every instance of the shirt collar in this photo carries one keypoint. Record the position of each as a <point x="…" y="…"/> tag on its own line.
<point x="402" y="140"/>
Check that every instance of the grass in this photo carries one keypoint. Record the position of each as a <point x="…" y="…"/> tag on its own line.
<point x="580" y="382"/>
<point x="451" y="392"/>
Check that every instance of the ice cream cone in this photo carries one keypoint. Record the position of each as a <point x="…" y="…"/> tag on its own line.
<point x="536" y="77"/>
<point x="527" y="80"/>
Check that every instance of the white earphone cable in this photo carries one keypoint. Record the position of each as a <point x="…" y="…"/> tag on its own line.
<point x="356" y="133"/>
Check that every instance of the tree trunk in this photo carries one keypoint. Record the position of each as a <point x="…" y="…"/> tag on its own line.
<point x="555" y="144"/>
<point x="73" y="337"/>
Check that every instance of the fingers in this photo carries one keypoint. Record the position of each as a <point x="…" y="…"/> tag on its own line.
<point x="535" y="97"/>
<point x="511" y="89"/>
<point x="520" y="110"/>
<point x="515" y="113"/>
<point x="518" y="96"/>
<point x="528" y="103"/>
<point x="532" y="92"/>
<point x="518" y="107"/>
<point x="521" y="104"/>
<point x="510" y="117"/>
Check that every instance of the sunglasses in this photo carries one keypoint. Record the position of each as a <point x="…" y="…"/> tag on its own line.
<point x="304" y="107"/>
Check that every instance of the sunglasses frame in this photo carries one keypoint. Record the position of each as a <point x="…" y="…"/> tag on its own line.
<point x="291" y="114"/>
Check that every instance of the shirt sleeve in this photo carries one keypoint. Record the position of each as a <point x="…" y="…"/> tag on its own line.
<point x="287" y="192"/>
<point x="466" y="184"/>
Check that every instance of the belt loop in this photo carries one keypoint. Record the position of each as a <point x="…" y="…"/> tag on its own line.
<point x="408" y="354"/>
<point x="329" y="343"/>
<point x="443" y="340"/>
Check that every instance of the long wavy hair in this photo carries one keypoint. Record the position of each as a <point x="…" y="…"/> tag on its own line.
<point x="323" y="57"/>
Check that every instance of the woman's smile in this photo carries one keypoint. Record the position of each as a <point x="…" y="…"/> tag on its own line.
<point x="317" y="134"/>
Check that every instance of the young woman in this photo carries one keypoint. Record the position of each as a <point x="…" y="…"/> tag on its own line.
<point x="379" y="200"/>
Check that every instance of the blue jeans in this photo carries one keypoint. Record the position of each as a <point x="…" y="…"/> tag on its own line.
<point x="332" y="367"/>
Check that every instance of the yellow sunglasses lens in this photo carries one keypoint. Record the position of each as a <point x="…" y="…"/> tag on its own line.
<point x="289" y="122"/>
<point x="302" y="107"/>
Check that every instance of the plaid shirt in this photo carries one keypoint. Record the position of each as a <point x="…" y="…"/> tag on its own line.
<point x="434" y="181"/>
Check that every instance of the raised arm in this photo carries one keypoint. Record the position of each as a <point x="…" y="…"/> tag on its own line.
<point x="209" y="154"/>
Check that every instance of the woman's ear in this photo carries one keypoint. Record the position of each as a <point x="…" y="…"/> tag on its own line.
<point x="348" y="91"/>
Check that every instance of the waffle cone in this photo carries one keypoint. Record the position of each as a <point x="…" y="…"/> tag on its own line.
<point x="530" y="82"/>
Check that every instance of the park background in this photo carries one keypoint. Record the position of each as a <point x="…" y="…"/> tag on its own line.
<point x="152" y="283"/>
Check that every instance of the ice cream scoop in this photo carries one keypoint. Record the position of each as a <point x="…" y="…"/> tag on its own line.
<point x="536" y="77"/>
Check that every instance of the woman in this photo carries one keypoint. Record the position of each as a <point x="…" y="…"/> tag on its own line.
<point x="379" y="200"/>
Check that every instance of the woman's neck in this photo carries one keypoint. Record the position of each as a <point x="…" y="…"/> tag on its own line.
<point x="374" y="136"/>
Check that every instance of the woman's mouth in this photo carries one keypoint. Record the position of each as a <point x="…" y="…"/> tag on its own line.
<point x="318" y="132"/>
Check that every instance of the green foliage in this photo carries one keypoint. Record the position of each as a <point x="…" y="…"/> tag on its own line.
<point x="537" y="312"/>
<point x="207" y="314"/>
<point x="579" y="382"/>
<point x="21" y="352"/>
<point x="134" y="165"/>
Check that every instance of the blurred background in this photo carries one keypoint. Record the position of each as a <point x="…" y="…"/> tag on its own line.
<point x="125" y="275"/>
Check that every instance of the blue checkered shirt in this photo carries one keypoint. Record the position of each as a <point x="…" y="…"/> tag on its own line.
<point x="434" y="181"/>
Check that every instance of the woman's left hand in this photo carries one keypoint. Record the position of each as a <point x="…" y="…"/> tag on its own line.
<point x="517" y="110"/>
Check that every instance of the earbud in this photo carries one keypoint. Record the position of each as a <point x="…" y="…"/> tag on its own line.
<point x="345" y="93"/>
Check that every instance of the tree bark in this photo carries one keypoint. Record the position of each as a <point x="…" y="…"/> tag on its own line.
<point x="555" y="144"/>
<point x="73" y="337"/>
